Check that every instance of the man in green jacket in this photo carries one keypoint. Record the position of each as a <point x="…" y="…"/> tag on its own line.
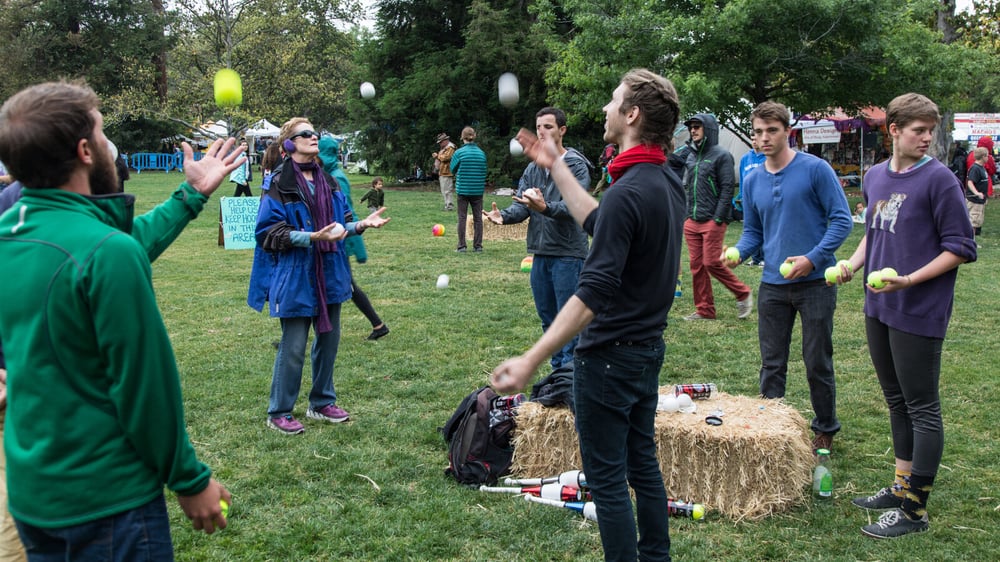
<point x="94" y="394"/>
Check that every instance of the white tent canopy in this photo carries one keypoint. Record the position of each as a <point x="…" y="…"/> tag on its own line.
<point x="262" y="128"/>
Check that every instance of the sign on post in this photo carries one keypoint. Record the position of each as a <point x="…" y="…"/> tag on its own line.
<point x="239" y="218"/>
<point x="821" y="135"/>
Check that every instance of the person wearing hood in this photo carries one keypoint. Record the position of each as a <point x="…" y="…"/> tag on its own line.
<point x="986" y="142"/>
<point x="708" y="183"/>
<point x="558" y="244"/>
<point x="329" y="149"/>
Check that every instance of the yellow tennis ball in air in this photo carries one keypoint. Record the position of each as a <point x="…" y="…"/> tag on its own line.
<point x="228" y="88"/>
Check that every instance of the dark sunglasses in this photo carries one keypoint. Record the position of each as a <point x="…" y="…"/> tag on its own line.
<point x="304" y="134"/>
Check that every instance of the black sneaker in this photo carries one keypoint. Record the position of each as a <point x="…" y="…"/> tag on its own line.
<point x="882" y="499"/>
<point x="378" y="332"/>
<point x="895" y="523"/>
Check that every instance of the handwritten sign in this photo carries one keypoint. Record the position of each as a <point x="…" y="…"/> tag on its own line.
<point x="239" y="218"/>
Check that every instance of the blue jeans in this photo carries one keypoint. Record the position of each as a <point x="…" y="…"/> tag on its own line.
<point x="287" y="377"/>
<point x="553" y="282"/>
<point x="615" y="390"/>
<point x="140" y="534"/>
<point x="815" y="303"/>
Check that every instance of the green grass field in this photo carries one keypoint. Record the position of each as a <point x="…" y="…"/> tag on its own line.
<point x="373" y="489"/>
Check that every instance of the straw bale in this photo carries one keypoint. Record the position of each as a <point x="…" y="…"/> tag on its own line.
<point x="758" y="462"/>
<point x="491" y="231"/>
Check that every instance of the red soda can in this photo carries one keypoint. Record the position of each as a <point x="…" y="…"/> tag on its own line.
<point x="701" y="391"/>
<point x="507" y="403"/>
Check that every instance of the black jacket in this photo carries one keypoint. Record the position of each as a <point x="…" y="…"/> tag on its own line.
<point x="709" y="178"/>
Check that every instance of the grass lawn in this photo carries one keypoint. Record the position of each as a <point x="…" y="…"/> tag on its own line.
<point x="373" y="489"/>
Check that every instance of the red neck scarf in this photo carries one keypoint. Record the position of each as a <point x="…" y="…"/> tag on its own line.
<point x="639" y="154"/>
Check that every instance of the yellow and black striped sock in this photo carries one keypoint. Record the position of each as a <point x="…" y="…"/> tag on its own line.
<point x="915" y="502"/>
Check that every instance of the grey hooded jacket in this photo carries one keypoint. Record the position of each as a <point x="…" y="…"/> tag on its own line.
<point x="709" y="178"/>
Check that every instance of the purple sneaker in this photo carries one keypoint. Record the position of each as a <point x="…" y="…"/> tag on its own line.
<point x="286" y="424"/>
<point x="329" y="413"/>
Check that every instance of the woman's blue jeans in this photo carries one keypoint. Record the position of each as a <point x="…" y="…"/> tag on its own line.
<point x="287" y="377"/>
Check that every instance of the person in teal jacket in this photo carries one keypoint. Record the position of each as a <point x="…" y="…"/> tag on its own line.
<point x="469" y="166"/>
<point x="87" y="353"/>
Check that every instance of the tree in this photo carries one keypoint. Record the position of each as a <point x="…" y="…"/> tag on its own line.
<point x="727" y="56"/>
<point x="292" y="59"/>
<point x="435" y="65"/>
<point x="110" y="43"/>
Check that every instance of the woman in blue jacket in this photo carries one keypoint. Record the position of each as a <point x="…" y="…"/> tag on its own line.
<point x="300" y="227"/>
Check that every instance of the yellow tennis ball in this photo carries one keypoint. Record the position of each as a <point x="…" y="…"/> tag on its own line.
<point x="889" y="272"/>
<point x="732" y="254"/>
<point x="225" y="508"/>
<point x="832" y="273"/>
<point x="875" y="280"/>
<point x="846" y="264"/>
<point x="786" y="268"/>
<point x="698" y="511"/>
<point x="228" y="88"/>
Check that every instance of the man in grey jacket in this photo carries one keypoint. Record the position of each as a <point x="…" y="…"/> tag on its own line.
<point x="708" y="183"/>
<point x="557" y="242"/>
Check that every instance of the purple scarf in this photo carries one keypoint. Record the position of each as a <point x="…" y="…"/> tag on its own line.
<point x="320" y="203"/>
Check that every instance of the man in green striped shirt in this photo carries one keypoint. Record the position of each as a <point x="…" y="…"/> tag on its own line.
<point x="469" y="166"/>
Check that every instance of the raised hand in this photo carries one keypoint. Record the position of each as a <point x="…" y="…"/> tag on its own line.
<point x="220" y="159"/>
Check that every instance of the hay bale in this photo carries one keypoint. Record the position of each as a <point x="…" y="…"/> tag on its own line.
<point x="517" y="231"/>
<point x="758" y="462"/>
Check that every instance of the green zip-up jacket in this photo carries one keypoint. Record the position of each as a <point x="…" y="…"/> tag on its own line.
<point x="95" y="421"/>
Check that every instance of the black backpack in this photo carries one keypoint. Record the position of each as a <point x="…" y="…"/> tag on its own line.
<point x="478" y="453"/>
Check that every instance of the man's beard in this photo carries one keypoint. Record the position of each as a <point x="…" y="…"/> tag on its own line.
<point x="103" y="175"/>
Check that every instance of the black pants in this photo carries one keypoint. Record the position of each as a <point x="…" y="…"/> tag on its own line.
<point x="243" y="189"/>
<point x="908" y="368"/>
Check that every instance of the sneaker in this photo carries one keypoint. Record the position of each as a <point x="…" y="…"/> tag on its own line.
<point x="286" y="424"/>
<point x="329" y="413"/>
<point x="696" y="316"/>
<point x="745" y="306"/>
<point x="822" y="441"/>
<point x="894" y="524"/>
<point x="378" y="332"/>
<point x="882" y="499"/>
<point x="477" y="250"/>
<point x="460" y="250"/>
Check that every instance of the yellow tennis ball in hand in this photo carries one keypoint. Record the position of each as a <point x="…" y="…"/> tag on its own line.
<point x="786" y="268"/>
<point x="225" y="508"/>
<point x="228" y="88"/>
<point x="732" y="254"/>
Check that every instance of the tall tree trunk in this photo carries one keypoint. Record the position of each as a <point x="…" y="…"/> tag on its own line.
<point x="942" y="135"/>
<point x="160" y="59"/>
